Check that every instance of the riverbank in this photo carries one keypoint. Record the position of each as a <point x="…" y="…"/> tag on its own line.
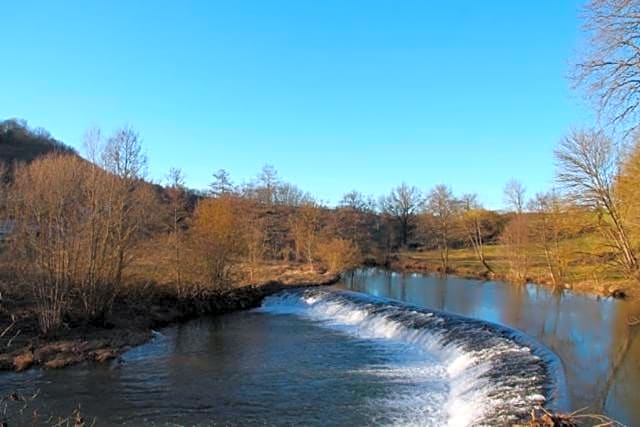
<point x="592" y="279"/>
<point x="135" y="314"/>
<point x="140" y="309"/>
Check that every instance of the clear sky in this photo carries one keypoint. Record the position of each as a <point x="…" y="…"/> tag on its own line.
<point x="336" y="94"/>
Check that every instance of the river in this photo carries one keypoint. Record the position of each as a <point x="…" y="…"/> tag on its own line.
<point x="380" y="348"/>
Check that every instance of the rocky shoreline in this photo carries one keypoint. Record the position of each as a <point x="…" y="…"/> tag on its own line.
<point x="130" y="324"/>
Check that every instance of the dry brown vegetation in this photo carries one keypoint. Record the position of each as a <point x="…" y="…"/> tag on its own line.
<point x="75" y="227"/>
<point x="541" y="417"/>
<point x="86" y="232"/>
<point x="339" y="254"/>
<point x="82" y="234"/>
<point x="582" y="235"/>
<point x="20" y="409"/>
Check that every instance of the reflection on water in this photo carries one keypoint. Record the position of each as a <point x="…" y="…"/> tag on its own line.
<point x="256" y="368"/>
<point x="245" y="369"/>
<point x="600" y="352"/>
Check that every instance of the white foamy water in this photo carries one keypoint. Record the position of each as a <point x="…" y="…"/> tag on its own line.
<point x="448" y="370"/>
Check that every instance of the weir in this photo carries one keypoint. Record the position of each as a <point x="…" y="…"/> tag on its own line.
<point x="491" y="375"/>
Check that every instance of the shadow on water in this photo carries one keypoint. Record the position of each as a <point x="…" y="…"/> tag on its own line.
<point x="599" y="350"/>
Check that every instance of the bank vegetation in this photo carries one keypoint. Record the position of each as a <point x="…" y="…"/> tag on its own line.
<point x="80" y="232"/>
<point x="84" y="236"/>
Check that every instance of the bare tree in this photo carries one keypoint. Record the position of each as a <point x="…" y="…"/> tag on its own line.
<point x="93" y="144"/>
<point x="355" y="219"/>
<point x="516" y="240"/>
<point x="288" y="194"/>
<point x="305" y="228"/>
<point x="587" y="169"/>
<point x="123" y="157"/>
<point x="222" y="184"/>
<point x="443" y="206"/>
<point x="255" y="233"/>
<point x="402" y="204"/>
<point x="268" y="181"/>
<point x="472" y="215"/>
<point x="178" y="212"/>
<point x="269" y="189"/>
<point x="609" y="67"/>
<point x="514" y="195"/>
<point x="549" y="230"/>
<point x="357" y="201"/>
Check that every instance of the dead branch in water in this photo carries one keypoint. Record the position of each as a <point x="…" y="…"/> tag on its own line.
<point x="14" y="405"/>
<point x="8" y="328"/>
<point x="16" y="408"/>
<point x="13" y="338"/>
<point x="74" y="420"/>
<point x="541" y="417"/>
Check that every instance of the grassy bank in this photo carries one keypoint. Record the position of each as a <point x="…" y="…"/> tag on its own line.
<point x="584" y="274"/>
<point x="137" y="310"/>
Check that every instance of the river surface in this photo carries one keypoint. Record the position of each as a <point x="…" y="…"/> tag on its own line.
<point x="600" y="353"/>
<point x="380" y="348"/>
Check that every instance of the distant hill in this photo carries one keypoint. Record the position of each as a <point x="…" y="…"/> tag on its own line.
<point x="20" y="143"/>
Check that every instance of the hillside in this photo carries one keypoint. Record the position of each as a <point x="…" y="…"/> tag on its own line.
<point x="20" y="143"/>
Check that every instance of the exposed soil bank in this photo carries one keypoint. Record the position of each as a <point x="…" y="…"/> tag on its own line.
<point x="131" y="323"/>
<point x="410" y="264"/>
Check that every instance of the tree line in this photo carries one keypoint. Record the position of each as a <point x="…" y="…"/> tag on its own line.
<point x="80" y="226"/>
<point x="79" y="231"/>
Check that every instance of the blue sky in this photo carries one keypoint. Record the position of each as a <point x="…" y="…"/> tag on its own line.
<point x="336" y="94"/>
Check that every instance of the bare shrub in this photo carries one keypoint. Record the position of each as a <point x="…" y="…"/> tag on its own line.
<point x="75" y="227"/>
<point x="305" y="229"/>
<point x="516" y="240"/>
<point x="339" y="254"/>
<point x="443" y="207"/>
<point x="46" y="244"/>
<point x="216" y="240"/>
<point x="554" y="222"/>
<point x="476" y="224"/>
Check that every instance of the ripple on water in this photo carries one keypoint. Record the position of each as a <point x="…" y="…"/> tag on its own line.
<point x="313" y="357"/>
<point x="461" y="371"/>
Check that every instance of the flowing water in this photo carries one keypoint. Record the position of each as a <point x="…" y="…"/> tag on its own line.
<point x="378" y="349"/>
<point x="600" y="353"/>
